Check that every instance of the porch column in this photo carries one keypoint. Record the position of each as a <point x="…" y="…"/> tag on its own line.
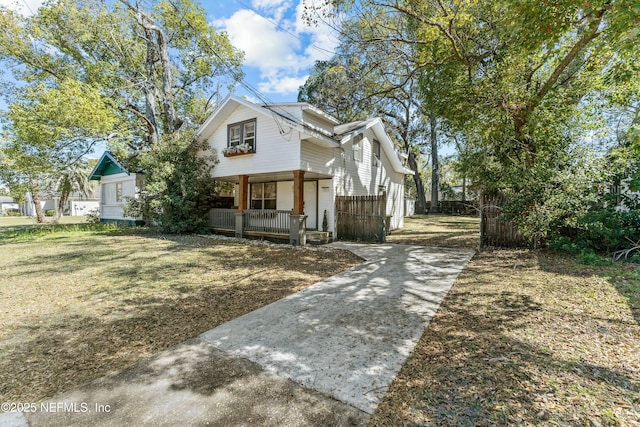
<point x="298" y="192"/>
<point x="297" y="228"/>
<point x="243" y="193"/>
<point x="243" y="204"/>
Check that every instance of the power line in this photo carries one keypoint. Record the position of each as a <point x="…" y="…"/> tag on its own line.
<point x="28" y="7"/>
<point x="278" y="26"/>
<point x="268" y="104"/>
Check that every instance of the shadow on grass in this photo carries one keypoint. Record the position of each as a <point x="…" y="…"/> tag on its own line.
<point x="499" y="353"/>
<point x="625" y="277"/>
<point x="128" y="296"/>
<point x="438" y="231"/>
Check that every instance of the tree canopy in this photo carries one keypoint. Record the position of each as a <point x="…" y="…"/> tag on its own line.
<point x="126" y="73"/>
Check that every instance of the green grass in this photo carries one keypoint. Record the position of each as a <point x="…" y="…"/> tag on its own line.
<point x="78" y="301"/>
<point x="6" y="221"/>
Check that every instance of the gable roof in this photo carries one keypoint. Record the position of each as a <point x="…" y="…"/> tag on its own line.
<point x="232" y="102"/>
<point x="341" y="132"/>
<point x="107" y="165"/>
<point x="348" y="130"/>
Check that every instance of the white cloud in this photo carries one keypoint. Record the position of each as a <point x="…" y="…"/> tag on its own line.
<point x="279" y="43"/>
<point x="23" y="7"/>
<point x="282" y="84"/>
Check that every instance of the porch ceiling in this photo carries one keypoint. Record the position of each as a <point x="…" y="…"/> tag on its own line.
<point x="274" y="176"/>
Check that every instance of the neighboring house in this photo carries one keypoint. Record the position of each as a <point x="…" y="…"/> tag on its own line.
<point x="7" y="204"/>
<point x="290" y="161"/>
<point x="117" y="185"/>
<point x="77" y="205"/>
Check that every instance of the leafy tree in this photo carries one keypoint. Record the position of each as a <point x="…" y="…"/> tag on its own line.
<point x="130" y="73"/>
<point x="179" y="190"/>
<point x="74" y="179"/>
<point x="51" y="129"/>
<point x="370" y="76"/>
<point x="152" y="62"/>
<point x="517" y="78"/>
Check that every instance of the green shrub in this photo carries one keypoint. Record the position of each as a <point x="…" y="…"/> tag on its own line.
<point x="50" y="212"/>
<point x="178" y="190"/>
<point x="599" y="231"/>
<point x="608" y="230"/>
<point x="589" y="257"/>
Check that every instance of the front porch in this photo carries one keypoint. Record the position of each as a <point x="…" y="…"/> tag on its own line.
<point x="274" y="207"/>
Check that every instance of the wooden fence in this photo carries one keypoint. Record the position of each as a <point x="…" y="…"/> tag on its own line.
<point x="361" y="218"/>
<point x="494" y="230"/>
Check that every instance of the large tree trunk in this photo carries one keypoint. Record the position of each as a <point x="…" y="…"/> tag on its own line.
<point x="35" y="198"/>
<point x="421" y="197"/>
<point x="62" y="201"/>
<point x="150" y="90"/>
<point x="157" y="53"/>
<point x="464" y="188"/>
<point x="435" y="182"/>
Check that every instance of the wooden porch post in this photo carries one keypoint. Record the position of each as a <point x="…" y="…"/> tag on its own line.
<point x="298" y="192"/>
<point x="243" y="195"/>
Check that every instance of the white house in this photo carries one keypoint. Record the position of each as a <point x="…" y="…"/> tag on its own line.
<point x="290" y="161"/>
<point x="117" y="185"/>
<point x="7" y="204"/>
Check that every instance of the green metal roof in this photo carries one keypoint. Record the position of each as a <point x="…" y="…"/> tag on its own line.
<point x="107" y="165"/>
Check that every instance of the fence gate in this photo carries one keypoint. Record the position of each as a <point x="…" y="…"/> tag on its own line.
<point x="494" y="230"/>
<point x="361" y="218"/>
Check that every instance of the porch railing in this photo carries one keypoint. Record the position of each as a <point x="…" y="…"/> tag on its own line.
<point x="224" y="219"/>
<point x="267" y="221"/>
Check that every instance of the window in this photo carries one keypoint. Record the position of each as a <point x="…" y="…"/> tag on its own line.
<point x="357" y="148"/>
<point x="242" y="133"/>
<point x="118" y="191"/>
<point x="263" y="195"/>
<point x="376" y="152"/>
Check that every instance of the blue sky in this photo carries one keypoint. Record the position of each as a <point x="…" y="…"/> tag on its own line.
<point x="279" y="47"/>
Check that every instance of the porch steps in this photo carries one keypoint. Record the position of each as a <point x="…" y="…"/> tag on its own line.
<point x="319" y="237"/>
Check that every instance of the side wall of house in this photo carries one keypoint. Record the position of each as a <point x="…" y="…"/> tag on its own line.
<point x="277" y="146"/>
<point x="110" y="207"/>
<point x="353" y="177"/>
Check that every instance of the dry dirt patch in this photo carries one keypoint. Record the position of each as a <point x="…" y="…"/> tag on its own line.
<point x="526" y="338"/>
<point x="75" y="305"/>
<point x="439" y="230"/>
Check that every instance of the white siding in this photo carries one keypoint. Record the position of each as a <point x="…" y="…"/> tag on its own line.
<point x="284" y="200"/>
<point x="83" y="207"/>
<point x="109" y="207"/>
<point x="314" y="158"/>
<point x="326" y="201"/>
<point x="356" y="178"/>
<point x="275" y="151"/>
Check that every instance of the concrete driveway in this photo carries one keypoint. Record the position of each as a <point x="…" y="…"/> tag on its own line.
<point x="344" y="338"/>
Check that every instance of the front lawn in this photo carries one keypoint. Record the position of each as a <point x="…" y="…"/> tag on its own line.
<point x="439" y="230"/>
<point x="524" y="338"/>
<point x="79" y="301"/>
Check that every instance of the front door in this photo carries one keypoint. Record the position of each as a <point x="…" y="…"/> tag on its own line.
<point x="311" y="204"/>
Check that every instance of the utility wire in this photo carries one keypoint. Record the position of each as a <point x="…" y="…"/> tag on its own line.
<point x="326" y="52"/>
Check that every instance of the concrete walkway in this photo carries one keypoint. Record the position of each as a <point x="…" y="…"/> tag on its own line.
<point x="345" y="337"/>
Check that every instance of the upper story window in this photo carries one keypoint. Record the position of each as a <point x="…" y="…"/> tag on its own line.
<point x="357" y="148"/>
<point x="242" y="134"/>
<point x="376" y="152"/>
